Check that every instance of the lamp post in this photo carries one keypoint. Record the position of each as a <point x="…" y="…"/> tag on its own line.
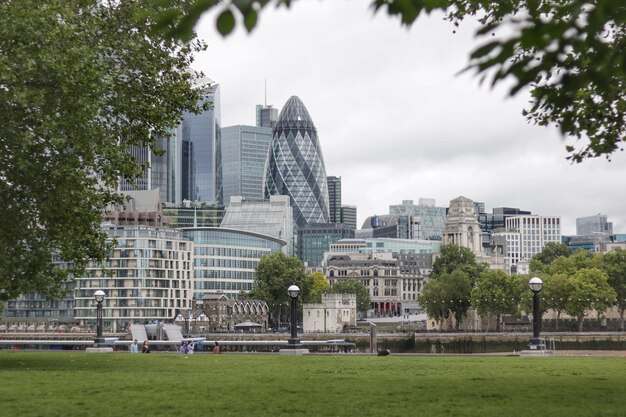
<point x="294" y="347"/>
<point x="536" y="343"/>
<point x="99" y="296"/>
<point x="293" y="292"/>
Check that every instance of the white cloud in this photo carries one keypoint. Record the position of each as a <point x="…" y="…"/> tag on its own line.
<point x="395" y="120"/>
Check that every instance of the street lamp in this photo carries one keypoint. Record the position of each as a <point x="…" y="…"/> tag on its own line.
<point x="293" y="292"/>
<point x="99" y="296"/>
<point x="536" y="343"/>
<point x="294" y="347"/>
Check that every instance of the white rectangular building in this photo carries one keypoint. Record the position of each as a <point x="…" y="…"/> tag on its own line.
<point x="334" y="313"/>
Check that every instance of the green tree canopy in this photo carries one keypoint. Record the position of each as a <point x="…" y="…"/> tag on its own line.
<point x="81" y="83"/>
<point x="550" y="252"/>
<point x="570" y="54"/>
<point x="496" y="293"/>
<point x="454" y="257"/>
<point x="570" y="264"/>
<point x="353" y="286"/>
<point x="447" y="294"/>
<point x="274" y="274"/>
<point x="319" y="286"/>
<point x="555" y="293"/>
<point x="589" y="290"/>
<point x="614" y="264"/>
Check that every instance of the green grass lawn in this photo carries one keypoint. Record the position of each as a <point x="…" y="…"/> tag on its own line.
<point x="121" y="384"/>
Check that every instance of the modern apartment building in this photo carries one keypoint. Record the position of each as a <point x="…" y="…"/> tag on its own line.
<point x="148" y="277"/>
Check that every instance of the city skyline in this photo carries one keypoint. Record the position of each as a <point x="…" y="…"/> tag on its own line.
<point x="394" y="119"/>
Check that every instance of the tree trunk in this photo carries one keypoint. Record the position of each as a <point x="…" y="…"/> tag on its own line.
<point x="459" y="317"/>
<point x="621" y="316"/>
<point x="558" y="317"/>
<point x="580" y="323"/>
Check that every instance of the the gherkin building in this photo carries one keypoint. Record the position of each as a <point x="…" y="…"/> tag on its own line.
<point x="295" y="166"/>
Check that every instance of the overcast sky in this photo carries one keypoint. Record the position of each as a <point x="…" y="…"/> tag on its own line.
<point x="394" y="119"/>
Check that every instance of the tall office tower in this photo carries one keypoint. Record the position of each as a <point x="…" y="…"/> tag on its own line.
<point x="295" y="166"/>
<point x="334" y="199"/>
<point x="142" y="183"/>
<point x="348" y="216"/>
<point x="593" y="224"/>
<point x="430" y="218"/>
<point x="202" y="148"/>
<point x="191" y="168"/>
<point x="266" y="116"/>
<point x="244" y="152"/>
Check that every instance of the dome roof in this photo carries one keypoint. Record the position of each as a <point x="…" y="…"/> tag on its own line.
<point x="294" y="116"/>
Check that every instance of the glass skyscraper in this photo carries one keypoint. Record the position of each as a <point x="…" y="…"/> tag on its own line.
<point x="334" y="198"/>
<point x="295" y="166"/>
<point x="191" y="167"/>
<point x="202" y="157"/>
<point x="244" y="153"/>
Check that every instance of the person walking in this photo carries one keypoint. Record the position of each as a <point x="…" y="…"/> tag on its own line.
<point x="146" y="347"/>
<point x="134" y="347"/>
<point x="216" y="348"/>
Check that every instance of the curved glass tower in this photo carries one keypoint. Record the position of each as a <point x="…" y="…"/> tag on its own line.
<point x="295" y="166"/>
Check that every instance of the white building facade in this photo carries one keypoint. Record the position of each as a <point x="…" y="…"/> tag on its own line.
<point x="148" y="277"/>
<point x="335" y="312"/>
<point x="526" y="236"/>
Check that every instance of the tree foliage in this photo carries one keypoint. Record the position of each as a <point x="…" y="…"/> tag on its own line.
<point x="569" y="53"/>
<point x="496" y="293"/>
<point x="353" y="286"/>
<point x="555" y="293"/>
<point x="454" y="257"/>
<point x="319" y="286"/>
<point x="589" y="290"/>
<point x="614" y="264"/>
<point x="274" y="274"/>
<point x="81" y="83"/>
<point x="448" y="294"/>
<point x="551" y="251"/>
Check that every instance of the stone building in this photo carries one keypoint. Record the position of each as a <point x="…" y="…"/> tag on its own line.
<point x="333" y="314"/>
<point x="218" y="313"/>
<point x="392" y="279"/>
<point x="461" y="226"/>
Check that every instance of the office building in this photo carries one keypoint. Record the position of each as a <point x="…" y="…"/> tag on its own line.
<point x="295" y="165"/>
<point x="524" y="237"/>
<point x="593" y="224"/>
<point x="193" y="214"/>
<point x="244" y="153"/>
<point x="190" y="168"/>
<point x="334" y="198"/>
<point x="314" y="239"/>
<point x="348" y="216"/>
<point x="225" y="260"/>
<point x="271" y="217"/>
<point x="266" y="116"/>
<point x="427" y="217"/>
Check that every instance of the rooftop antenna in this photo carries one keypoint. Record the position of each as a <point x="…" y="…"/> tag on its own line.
<point x="265" y="104"/>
